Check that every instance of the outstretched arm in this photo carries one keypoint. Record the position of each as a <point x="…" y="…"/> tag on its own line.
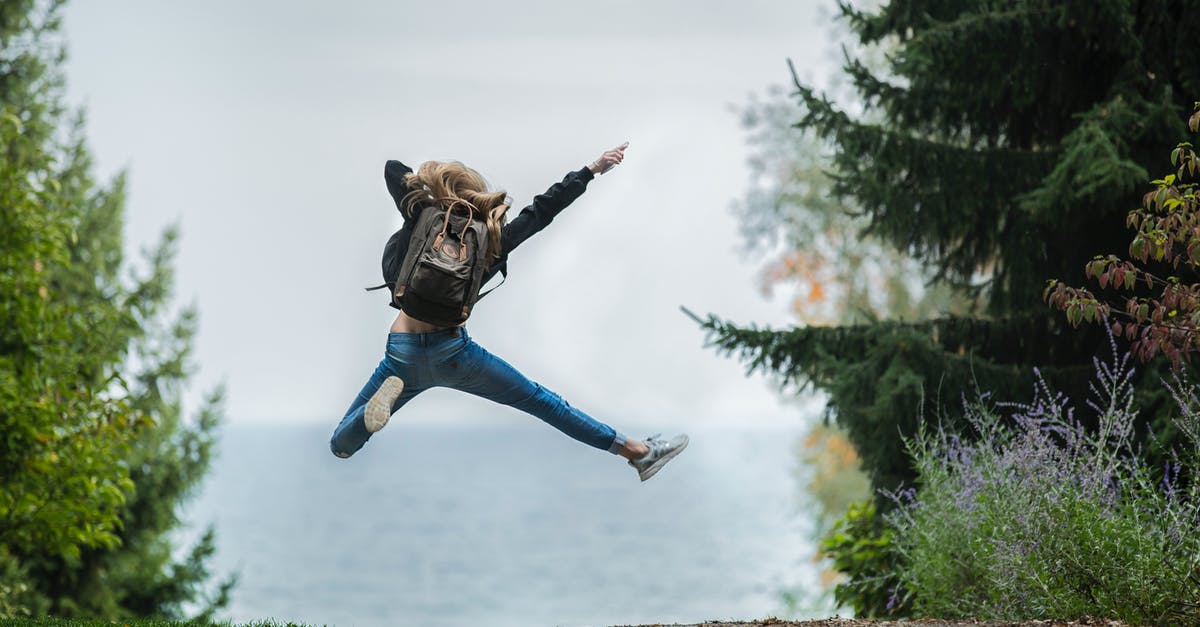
<point x="544" y="207"/>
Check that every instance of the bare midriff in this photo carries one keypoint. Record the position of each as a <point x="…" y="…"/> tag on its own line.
<point x="405" y="324"/>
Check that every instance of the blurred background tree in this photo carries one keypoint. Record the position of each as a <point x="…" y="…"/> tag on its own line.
<point x="815" y="254"/>
<point x="815" y="251"/>
<point x="95" y="456"/>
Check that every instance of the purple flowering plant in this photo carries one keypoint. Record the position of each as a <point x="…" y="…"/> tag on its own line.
<point x="1038" y="517"/>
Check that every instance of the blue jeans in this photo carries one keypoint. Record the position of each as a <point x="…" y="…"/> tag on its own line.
<point x="449" y="358"/>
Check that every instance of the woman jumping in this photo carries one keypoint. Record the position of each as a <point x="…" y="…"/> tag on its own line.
<point x="422" y="355"/>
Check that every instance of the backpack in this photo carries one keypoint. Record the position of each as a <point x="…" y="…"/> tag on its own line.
<point x="438" y="279"/>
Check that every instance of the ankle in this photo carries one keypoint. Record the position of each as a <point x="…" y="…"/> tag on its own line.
<point x="634" y="449"/>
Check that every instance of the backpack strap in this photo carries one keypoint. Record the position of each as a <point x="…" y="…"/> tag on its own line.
<point x="503" y="278"/>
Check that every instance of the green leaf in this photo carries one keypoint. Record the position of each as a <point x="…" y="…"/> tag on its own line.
<point x="15" y="121"/>
<point x="1137" y="247"/>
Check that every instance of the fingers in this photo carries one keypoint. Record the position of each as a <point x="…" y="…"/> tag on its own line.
<point x="610" y="158"/>
<point x="616" y="154"/>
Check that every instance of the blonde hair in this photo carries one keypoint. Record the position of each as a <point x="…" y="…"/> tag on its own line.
<point x="447" y="183"/>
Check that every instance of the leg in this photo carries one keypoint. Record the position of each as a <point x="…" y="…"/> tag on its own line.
<point x="351" y="434"/>
<point x="483" y="374"/>
<point x="489" y="376"/>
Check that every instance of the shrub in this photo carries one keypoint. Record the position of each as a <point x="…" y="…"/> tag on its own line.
<point x="1038" y="516"/>
<point x="861" y="546"/>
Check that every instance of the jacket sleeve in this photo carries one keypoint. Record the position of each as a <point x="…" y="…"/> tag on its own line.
<point x="393" y="175"/>
<point x="541" y="212"/>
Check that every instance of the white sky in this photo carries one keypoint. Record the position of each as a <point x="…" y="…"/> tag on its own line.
<point x="261" y="128"/>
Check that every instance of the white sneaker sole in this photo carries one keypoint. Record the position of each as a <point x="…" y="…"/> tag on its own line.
<point x="653" y="469"/>
<point x="379" y="408"/>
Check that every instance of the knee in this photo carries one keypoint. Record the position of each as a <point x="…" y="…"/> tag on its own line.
<point x="333" y="448"/>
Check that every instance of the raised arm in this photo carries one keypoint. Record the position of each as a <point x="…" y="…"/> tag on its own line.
<point x="545" y="206"/>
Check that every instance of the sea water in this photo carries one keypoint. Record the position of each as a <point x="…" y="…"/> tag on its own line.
<point x="503" y="524"/>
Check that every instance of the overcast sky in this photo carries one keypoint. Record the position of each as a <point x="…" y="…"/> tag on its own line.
<point x="261" y="128"/>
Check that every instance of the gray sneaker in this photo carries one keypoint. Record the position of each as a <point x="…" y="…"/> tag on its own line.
<point x="379" y="408"/>
<point x="661" y="452"/>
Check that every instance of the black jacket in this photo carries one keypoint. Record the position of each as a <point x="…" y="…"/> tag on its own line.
<point x="532" y="218"/>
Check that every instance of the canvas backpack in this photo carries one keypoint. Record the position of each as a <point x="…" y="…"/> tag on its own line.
<point x="438" y="280"/>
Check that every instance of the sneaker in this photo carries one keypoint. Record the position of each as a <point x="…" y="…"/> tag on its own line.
<point x="661" y="452"/>
<point x="379" y="408"/>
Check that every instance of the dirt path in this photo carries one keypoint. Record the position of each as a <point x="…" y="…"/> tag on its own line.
<point x="924" y="622"/>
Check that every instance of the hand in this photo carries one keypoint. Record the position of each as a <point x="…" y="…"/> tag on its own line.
<point x="609" y="159"/>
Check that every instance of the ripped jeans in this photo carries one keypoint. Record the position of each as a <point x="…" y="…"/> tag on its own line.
<point x="449" y="358"/>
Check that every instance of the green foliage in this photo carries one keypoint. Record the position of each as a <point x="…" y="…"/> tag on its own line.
<point x="1153" y="298"/>
<point x="1037" y="517"/>
<point x="95" y="458"/>
<point x="995" y="166"/>
<point x="15" y="591"/>
<point x="64" y="438"/>
<point x="862" y="548"/>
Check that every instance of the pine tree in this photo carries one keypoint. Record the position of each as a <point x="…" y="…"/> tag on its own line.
<point x="95" y="457"/>
<point x="1002" y="146"/>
